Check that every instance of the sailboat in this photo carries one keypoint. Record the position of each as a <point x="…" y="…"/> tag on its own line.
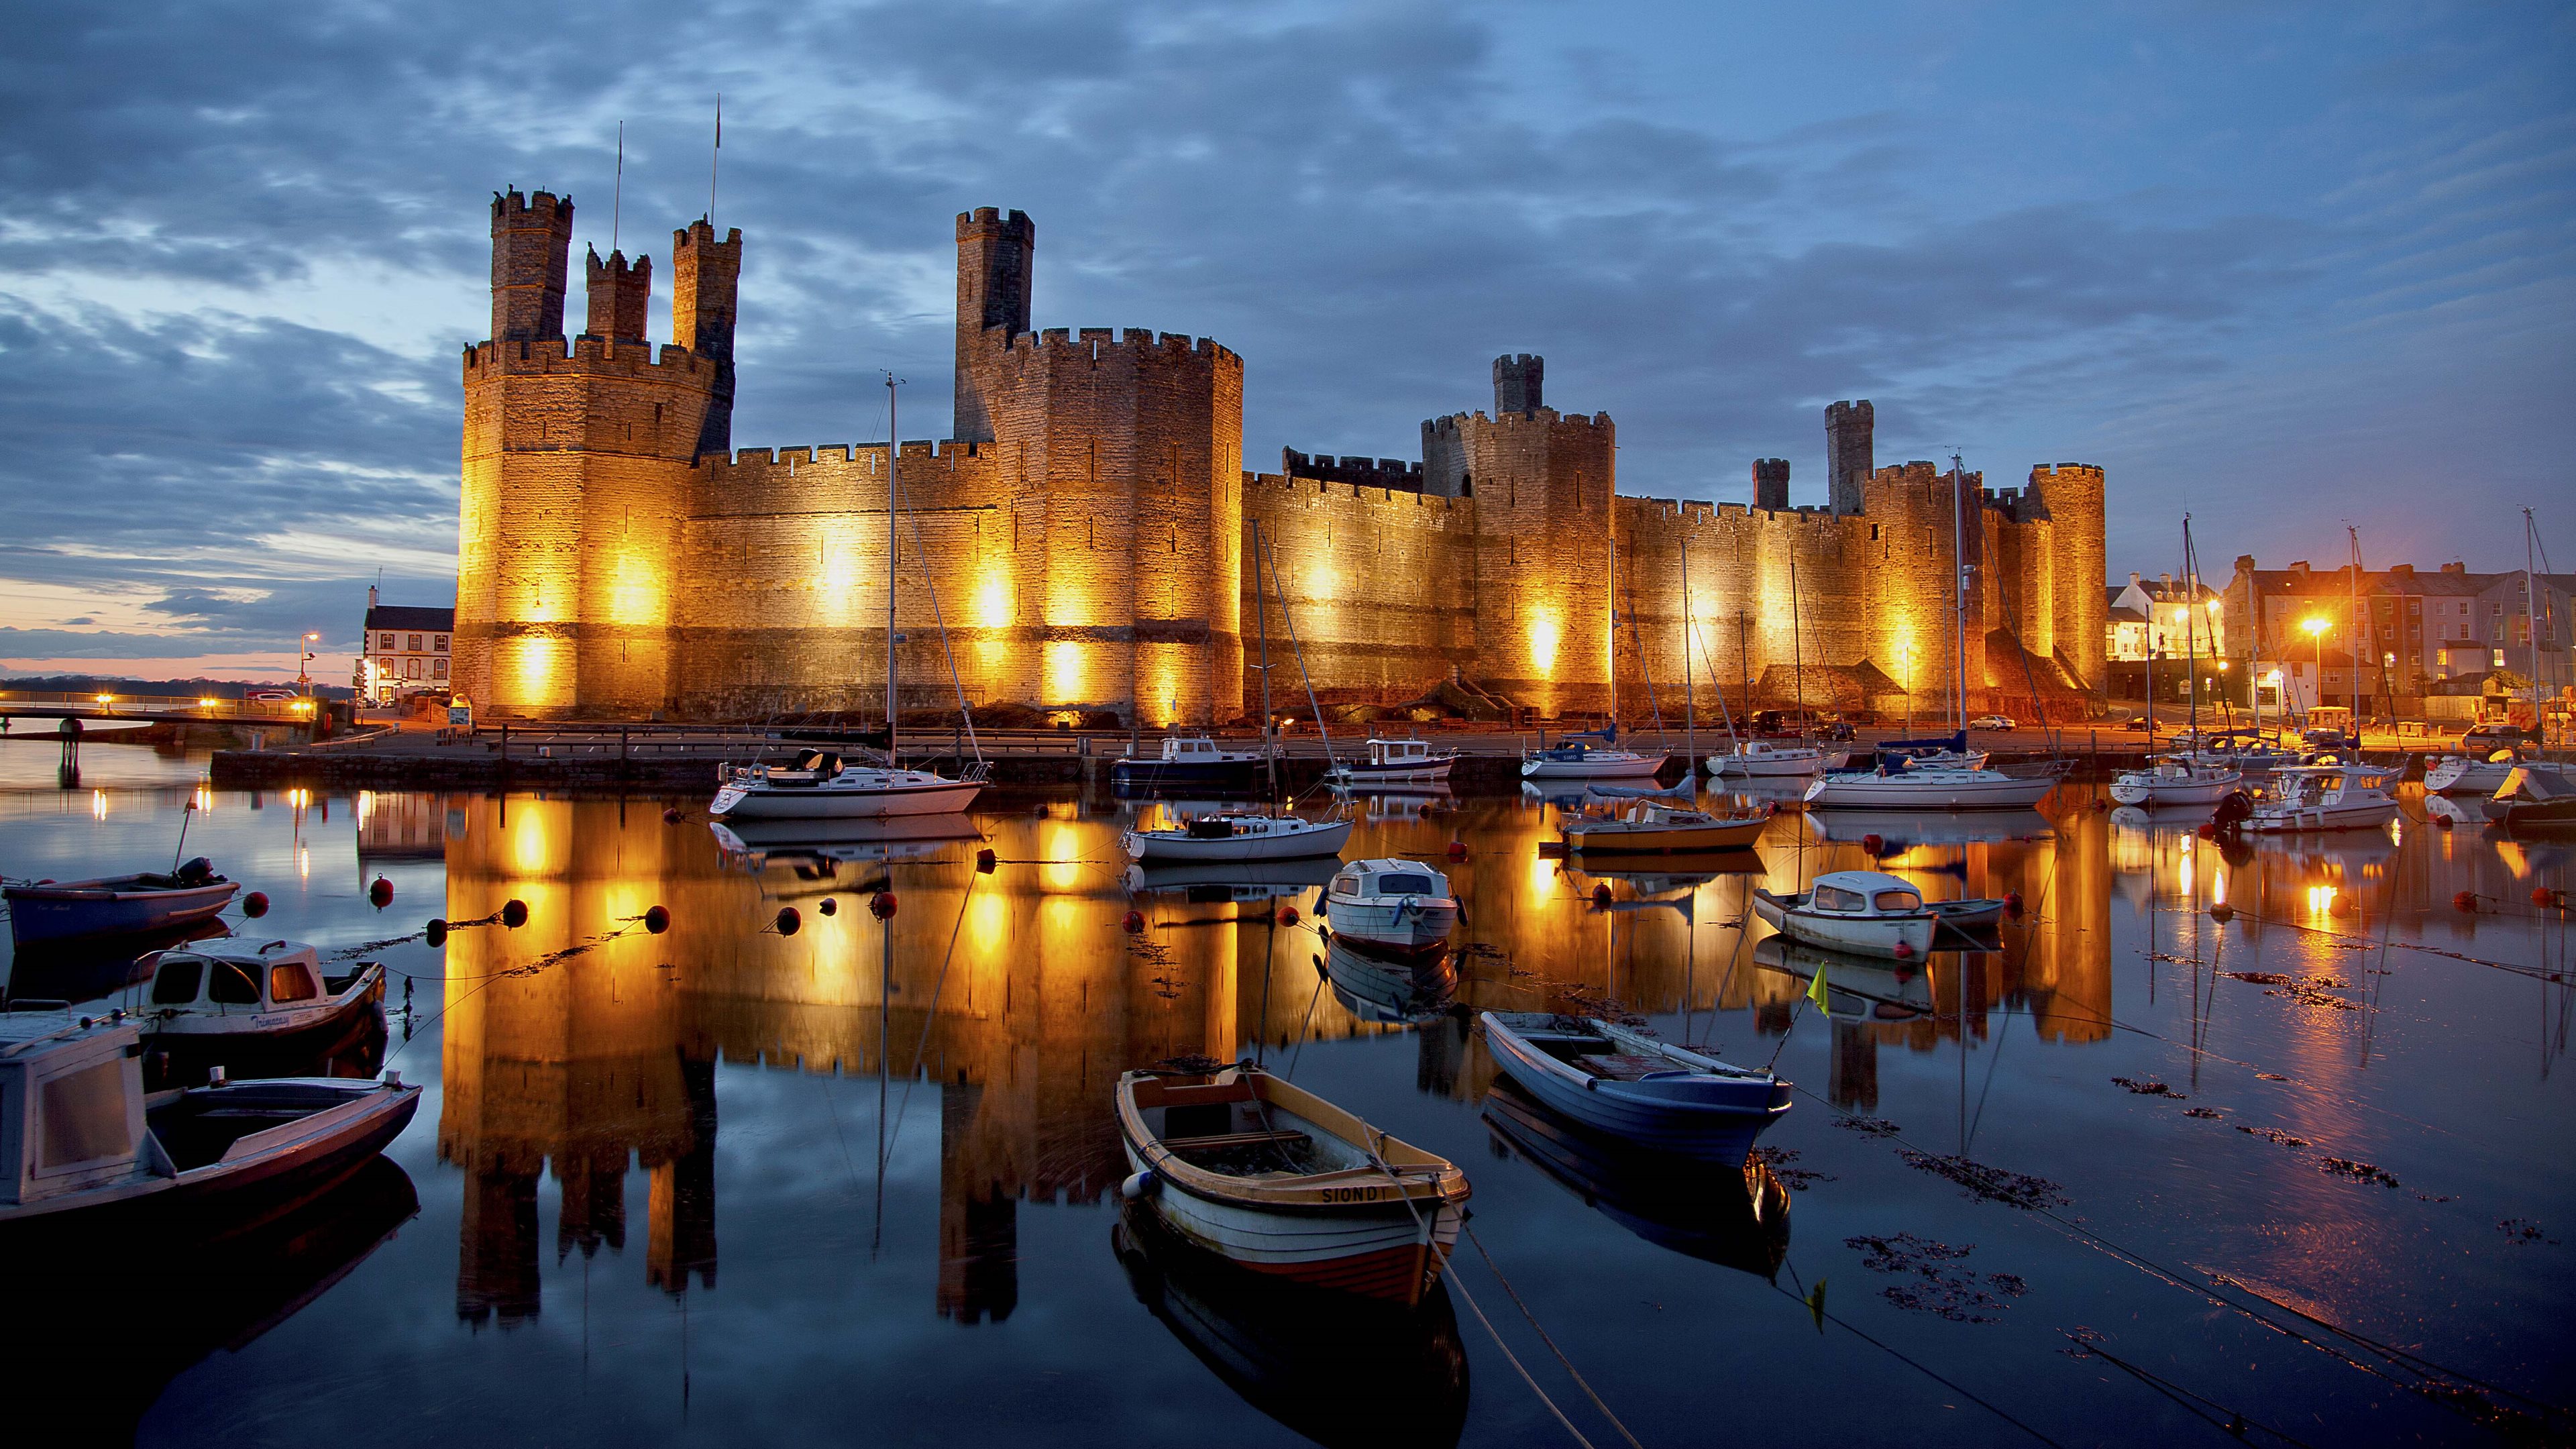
<point x="1903" y="783"/>
<point x="821" y="784"/>
<point x="2181" y="779"/>
<point x="1753" y="759"/>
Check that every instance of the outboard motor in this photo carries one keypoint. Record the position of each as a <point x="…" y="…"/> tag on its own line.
<point x="197" y="870"/>
<point x="2233" y="811"/>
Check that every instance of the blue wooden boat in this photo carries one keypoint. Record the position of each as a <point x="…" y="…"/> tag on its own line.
<point x="116" y="905"/>
<point x="1635" y="1087"/>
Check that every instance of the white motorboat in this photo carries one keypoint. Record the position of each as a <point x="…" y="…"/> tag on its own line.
<point x="2175" y="780"/>
<point x="1573" y="760"/>
<point x="2468" y="774"/>
<point x="1401" y="905"/>
<point x="2313" y="798"/>
<point x="1900" y="785"/>
<point x="1190" y="760"/>
<point x="1763" y="760"/>
<point x="89" y="1162"/>
<point x="1867" y="912"/>
<point x="1238" y="836"/>
<point x="253" y="1009"/>
<point x="821" y="786"/>
<point x="1397" y="762"/>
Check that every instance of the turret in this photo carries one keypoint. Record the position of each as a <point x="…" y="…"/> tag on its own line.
<point x="620" y="296"/>
<point x="996" y="258"/>
<point x="1771" y="484"/>
<point x="705" y="277"/>
<point x="531" y="249"/>
<point x="1850" y="452"/>
<point x="1517" y="383"/>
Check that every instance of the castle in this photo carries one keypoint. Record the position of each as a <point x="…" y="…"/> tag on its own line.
<point x="1089" y="535"/>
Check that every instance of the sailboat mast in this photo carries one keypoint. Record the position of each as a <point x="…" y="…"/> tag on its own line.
<point x="1690" y="695"/>
<point x="2531" y="614"/>
<point x="894" y="448"/>
<point x="1261" y="610"/>
<point x="1959" y="591"/>
<point x="2191" y="626"/>
<point x="2360" y="629"/>
<point x="1613" y="590"/>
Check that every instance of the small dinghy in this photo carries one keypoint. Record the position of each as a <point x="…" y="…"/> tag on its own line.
<point x="2533" y="796"/>
<point x="1238" y="835"/>
<point x="253" y="1009"/>
<point x="1866" y="912"/>
<point x="1636" y="1087"/>
<point x="67" y="910"/>
<point x="101" y="1162"/>
<point x="1399" y="905"/>
<point x="1275" y="1179"/>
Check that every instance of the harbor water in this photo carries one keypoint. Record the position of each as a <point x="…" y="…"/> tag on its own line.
<point x="2267" y="1141"/>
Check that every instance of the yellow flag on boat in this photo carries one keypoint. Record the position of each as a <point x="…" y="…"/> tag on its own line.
<point x="1816" y="988"/>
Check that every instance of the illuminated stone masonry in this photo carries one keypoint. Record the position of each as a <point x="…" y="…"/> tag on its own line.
<point x="1089" y="534"/>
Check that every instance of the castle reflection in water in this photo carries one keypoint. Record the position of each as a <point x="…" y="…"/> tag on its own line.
<point x="1022" y="995"/>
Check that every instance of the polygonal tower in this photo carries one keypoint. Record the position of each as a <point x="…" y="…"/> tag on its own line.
<point x="574" y="477"/>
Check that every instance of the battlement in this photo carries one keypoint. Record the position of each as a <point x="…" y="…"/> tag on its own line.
<point x="587" y="355"/>
<point x="1096" y="343"/>
<point x="989" y="221"/>
<point x="1289" y="485"/>
<point x="1543" y="417"/>
<point x="542" y="204"/>
<point x="1394" y="474"/>
<point x="620" y="295"/>
<point x="531" y="247"/>
<point x="1518" y="382"/>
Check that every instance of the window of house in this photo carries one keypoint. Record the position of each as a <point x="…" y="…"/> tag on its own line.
<point x="385" y="642"/>
<point x="411" y="669"/>
<point x="289" y="981"/>
<point x="439" y="643"/>
<point x="415" y="644"/>
<point x="438" y="669"/>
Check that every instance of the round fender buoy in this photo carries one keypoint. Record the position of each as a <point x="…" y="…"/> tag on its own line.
<point x="1873" y="842"/>
<point x="671" y="815"/>
<point x="787" y="920"/>
<point x="1287" y="915"/>
<point x="2222" y="912"/>
<point x="1904" y="952"/>
<point x="1601" y="895"/>
<point x="2543" y="896"/>
<point x="881" y="905"/>
<point x="657" y="919"/>
<point x="2341" y="905"/>
<point x="514" y="913"/>
<point x="2012" y="903"/>
<point x="985" y="860"/>
<point x="1457" y="850"/>
<point x="1139" y="1185"/>
<point x="830" y="907"/>
<point x="435" y="933"/>
<point x="380" y="893"/>
<point x="2207" y="831"/>
<point x="255" y="905"/>
<point x="1132" y="922"/>
<point x="2465" y="901"/>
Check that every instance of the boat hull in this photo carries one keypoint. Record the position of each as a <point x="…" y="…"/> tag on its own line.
<point x="1630" y="768"/>
<point x="1714" y="1131"/>
<point x="2149" y="790"/>
<point x="1417" y="772"/>
<point x="1376" y="1252"/>
<point x="187" y="1046"/>
<point x="1174" y="847"/>
<point x="739" y="801"/>
<point x="2321" y="819"/>
<point x="1769" y="765"/>
<point x="1223" y="774"/>
<point x="75" y="910"/>
<point x="1929" y="790"/>
<point x="1392" y="926"/>
<point x="1619" y="838"/>
<point x="2456" y="776"/>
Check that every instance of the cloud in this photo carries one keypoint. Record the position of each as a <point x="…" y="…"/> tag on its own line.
<point x="243" y="241"/>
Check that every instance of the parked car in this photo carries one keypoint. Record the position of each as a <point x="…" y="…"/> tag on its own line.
<point x="2486" y="739"/>
<point x="269" y="696"/>
<point x="2326" y="739"/>
<point x="1991" y="722"/>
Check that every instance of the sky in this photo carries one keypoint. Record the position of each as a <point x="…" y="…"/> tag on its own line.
<point x="2283" y="267"/>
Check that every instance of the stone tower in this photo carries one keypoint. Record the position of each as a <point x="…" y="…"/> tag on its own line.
<point x="620" y="296"/>
<point x="706" y="277"/>
<point x="1516" y="383"/>
<point x="574" y="476"/>
<point x="996" y="262"/>
<point x="1850" y="452"/>
<point x="2072" y="495"/>
<point x="1771" y="484"/>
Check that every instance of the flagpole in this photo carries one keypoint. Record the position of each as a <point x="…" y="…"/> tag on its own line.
<point x="713" y="157"/>
<point x="617" y="208"/>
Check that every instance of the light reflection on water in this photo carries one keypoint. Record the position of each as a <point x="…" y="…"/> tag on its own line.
<point x="877" y="1173"/>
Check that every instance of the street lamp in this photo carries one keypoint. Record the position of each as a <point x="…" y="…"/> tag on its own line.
<point x="303" y="668"/>
<point x="2316" y="625"/>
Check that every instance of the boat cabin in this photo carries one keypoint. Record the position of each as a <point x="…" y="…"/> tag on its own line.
<point x="1191" y="749"/>
<point x="1399" y="752"/>
<point x="1367" y="878"/>
<point x="1864" y="892"/>
<point x="224" y="977"/>
<point x="811" y="767"/>
<point x="71" y="1103"/>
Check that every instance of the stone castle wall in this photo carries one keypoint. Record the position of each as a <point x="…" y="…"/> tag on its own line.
<point x="1085" y="543"/>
